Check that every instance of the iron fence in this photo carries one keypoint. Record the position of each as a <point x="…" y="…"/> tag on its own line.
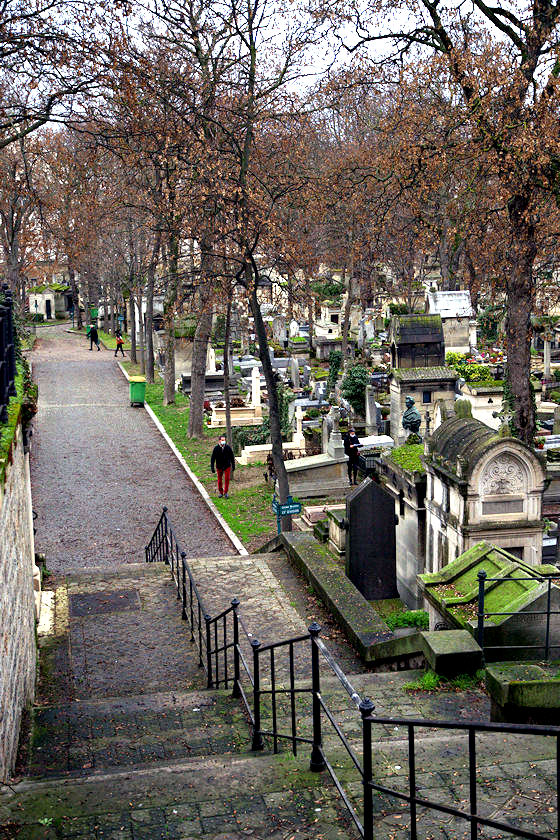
<point x="7" y="352"/>
<point x="233" y="657"/>
<point x="546" y="647"/>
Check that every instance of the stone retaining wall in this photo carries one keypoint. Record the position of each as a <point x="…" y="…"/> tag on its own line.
<point x="17" y="603"/>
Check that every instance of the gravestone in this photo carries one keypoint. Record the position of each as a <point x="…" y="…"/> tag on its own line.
<point x="371" y="411"/>
<point x="294" y="372"/>
<point x="255" y="387"/>
<point x="210" y="359"/>
<point x="325" y="432"/>
<point x="335" y="447"/>
<point x="305" y="376"/>
<point x="370" y="542"/>
<point x="556" y="427"/>
<point x="279" y="330"/>
<point x="294" y="328"/>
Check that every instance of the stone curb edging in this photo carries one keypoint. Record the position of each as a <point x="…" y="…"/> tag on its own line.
<point x="233" y="538"/>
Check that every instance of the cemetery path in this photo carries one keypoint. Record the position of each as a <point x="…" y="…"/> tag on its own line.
<point x="100" y="470"/>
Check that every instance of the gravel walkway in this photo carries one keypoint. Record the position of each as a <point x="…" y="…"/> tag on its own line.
<point x="100" y="470"/>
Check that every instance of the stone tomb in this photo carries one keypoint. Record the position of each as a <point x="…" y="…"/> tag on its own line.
<point x="370" y="542"/>
<point x="451" y="596"/>
<point x="481" y="486"/>
<point x="321" y="475"/>
<point x="416" y="341"/>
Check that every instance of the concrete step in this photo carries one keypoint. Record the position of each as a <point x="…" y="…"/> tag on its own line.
<point x="276" y="797"/>
<point x="80" y="737"/>
<point x="111" y="633"/>
<point x="256" y="796"/>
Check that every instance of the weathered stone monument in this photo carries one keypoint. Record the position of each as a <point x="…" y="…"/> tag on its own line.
<point x="255" y="387"/>
<point x="481" y="486"/>
<point x="279" y="332"/>
<point x="370" y="542"/>
<point x="294" y="372"/>
<point x="321" y="475"/>
<point x="210" y="359"/>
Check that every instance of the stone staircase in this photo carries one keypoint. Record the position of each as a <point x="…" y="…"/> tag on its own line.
<point x="127" y="743"/>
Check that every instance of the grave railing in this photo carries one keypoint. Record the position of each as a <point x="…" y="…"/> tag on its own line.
<point x="7" y="352"/>
<point x="482" y="613"/>
<point x="233" y="657"/>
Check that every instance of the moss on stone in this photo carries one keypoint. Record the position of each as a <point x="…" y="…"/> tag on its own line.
<point x="408" y="457"/>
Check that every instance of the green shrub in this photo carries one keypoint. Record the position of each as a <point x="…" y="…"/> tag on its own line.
<point x="554" y="396"/>
<point x="557" y="374"/>
<point x="328" y="289"/>
<point x="408" y="618"/>
<point x="354" y="388"/>
<point x="313" y="413"/>
<point x="335" y="363"/>
<point x="398" y="308"/>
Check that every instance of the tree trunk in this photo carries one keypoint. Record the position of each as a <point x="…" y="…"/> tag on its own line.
<point x="273" y="407"/>
<point x="520" y="289"/>
<point x="198" y="372"/>
<point x="349" y="300"/>
<point x="169" y="368"/>
<point x="133" y="357"/>
<point x="141" y="344"/>
<point x="226" y="370"/>
<point x="75" y="299"/>
<point x="150" y="308"/>
<point x="310" y="309"/>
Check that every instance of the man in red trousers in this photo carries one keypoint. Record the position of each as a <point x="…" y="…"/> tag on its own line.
<point x="223" y="462"/>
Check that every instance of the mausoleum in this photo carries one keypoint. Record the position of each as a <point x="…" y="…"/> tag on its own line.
<point x="481" y="486"/>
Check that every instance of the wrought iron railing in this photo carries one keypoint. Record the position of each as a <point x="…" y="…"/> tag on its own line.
<point x="7" y="352"/>
<point x="544" y="647"/>
<point x="233" y="657"/>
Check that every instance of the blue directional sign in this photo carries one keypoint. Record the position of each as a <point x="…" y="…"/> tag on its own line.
<point x="289" y="508"/>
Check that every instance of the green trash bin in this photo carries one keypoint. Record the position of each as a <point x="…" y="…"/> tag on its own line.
<point x="137" y="390"/>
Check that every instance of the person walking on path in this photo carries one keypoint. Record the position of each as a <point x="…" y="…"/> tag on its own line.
<point x="93" y="337"/>
<point x="352" y="449"/>
<point x="223" y="461"/>
<point x="120" y="342"/>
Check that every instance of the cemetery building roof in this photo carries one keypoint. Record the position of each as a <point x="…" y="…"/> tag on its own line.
<point x="457" y="444"/>
<point x="423" y="374"/>
<point x="413" y="329"/>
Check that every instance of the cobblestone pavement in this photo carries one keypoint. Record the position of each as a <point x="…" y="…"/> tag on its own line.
<point x="101" y="471"/>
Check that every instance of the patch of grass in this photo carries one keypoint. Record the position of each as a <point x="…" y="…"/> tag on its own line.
<point x="248" y="510"/>
<point x="408" y="457"/>
<point x="111" y="342"/>
<point x="430" y="681"/>
<point x="408" y="618"/>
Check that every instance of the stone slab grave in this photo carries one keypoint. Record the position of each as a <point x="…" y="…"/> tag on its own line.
<point x="451" y="652"/>
<point x="452" y="596"/>
<point x="370" y="543"/>
<point x="526" y="692"/>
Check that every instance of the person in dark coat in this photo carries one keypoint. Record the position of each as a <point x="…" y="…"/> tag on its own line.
<point x="93" y="337"/>
<point x="351" y="447"/>
<point x="223" y="462"/>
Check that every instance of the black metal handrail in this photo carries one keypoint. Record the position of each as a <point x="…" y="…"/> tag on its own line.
<point x="7" y="352"/>
<point x="256" y="677"/>
<point x="483" y="613"/>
